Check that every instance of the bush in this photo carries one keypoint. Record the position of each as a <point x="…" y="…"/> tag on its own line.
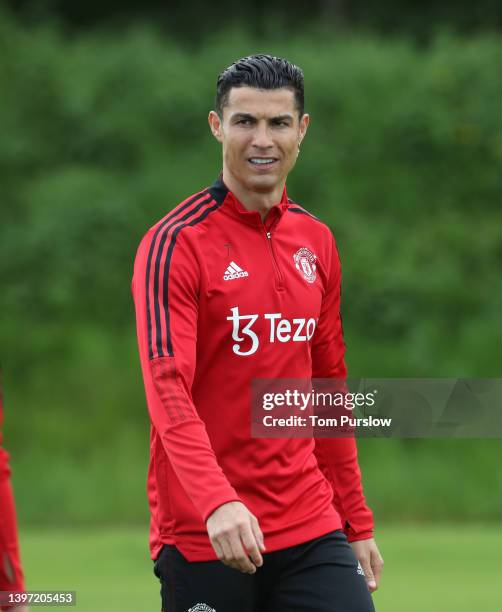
<point x="104" y="134"/>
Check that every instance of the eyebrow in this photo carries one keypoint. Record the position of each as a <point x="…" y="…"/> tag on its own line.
<point x="282" y="117"/>
<point x="252" y="117"/>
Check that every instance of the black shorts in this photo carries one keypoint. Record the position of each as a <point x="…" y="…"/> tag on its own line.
<point x="321" y="575"/>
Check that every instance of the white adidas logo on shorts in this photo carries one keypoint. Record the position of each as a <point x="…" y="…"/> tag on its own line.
<point x="234" y="271"/>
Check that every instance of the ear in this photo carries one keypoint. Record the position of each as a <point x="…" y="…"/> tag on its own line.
<point x="304" y="123"/>
<point x="215" y="125"/>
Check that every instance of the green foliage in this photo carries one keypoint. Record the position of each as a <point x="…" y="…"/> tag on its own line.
<point x="103" y="135"/>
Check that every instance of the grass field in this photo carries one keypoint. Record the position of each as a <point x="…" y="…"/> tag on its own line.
<point x="427" y="568"/>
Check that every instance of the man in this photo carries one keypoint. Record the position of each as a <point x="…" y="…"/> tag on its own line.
<point x="11" y="573"/>
<point x="243" y="523"/>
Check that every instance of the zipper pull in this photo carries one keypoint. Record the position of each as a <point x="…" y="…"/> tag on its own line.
<point x="268" y="235"/>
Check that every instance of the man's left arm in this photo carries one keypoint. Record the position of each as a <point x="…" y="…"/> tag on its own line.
<point x="337" y="457"/>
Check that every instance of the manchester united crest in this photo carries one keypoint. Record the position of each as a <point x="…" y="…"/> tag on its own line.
<point x="305" y="264"/>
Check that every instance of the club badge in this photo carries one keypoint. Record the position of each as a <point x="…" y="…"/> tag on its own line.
<point x="305" y="264"/>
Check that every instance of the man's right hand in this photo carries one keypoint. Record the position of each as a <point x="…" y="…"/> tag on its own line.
<point x="236" y="537"/>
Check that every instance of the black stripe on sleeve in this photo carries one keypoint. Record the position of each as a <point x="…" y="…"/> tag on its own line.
<point x="166" y="276"/>
<point x="302" y="212"/>
<point x="161" y="226"/>
<point x="158" y="260"/>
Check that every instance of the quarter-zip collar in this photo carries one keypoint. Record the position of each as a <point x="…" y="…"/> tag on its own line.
<point x="232" y="206"/>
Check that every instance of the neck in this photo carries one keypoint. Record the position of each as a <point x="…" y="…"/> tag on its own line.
<point x="262" y="202"/>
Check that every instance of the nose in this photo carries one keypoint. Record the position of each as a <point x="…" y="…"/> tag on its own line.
<point x="261" y="136"/>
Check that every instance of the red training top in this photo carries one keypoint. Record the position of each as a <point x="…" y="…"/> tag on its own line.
<point x="222" y="298"/>
<point x="11" y="573"/>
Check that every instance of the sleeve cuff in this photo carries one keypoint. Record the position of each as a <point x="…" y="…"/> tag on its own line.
<point x="216" y="503"/>
<point x="354" y="535"/>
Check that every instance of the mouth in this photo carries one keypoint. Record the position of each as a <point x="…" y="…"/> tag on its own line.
<point x="262" y="162"/>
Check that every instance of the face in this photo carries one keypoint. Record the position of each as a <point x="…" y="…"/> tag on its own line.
<point x="260" y="132"/>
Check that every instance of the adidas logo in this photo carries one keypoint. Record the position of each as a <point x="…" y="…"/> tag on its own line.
<point x="233" y="271"/>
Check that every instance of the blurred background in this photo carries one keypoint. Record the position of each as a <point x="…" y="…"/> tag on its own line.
<point x="103" y="112"/>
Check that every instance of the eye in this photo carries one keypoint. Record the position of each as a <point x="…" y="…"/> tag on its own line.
<point x="244" y="122"/>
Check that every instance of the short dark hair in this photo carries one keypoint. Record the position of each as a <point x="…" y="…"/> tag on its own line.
<point x="262" y="72"/>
